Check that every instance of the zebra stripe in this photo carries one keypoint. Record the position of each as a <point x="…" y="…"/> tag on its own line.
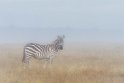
<point x="40" y="52"/>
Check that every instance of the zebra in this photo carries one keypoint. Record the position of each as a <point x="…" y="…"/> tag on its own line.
<point x="43" y="52"/>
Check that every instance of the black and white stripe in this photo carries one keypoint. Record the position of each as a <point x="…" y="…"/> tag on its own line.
<point x="40" y="52"/>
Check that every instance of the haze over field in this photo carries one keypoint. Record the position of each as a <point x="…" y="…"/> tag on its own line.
<point x="75" y="64"/>
<point x="83" y="35"/>
<point x="93" y="45"/>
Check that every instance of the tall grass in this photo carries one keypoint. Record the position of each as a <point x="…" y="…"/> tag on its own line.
<point x="76" y="64"/>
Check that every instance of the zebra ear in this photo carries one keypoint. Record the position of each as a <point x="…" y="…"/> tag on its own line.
<point x="63" y="36"/>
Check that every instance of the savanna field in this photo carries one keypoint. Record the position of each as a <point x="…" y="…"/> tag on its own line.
<point x="82" y="63"/>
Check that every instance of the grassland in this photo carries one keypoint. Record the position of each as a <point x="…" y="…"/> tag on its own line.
<point x="75" y="64"/>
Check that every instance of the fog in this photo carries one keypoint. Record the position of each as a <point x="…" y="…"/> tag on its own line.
<point x="46" y="35"/>
<point x="62" y="13"/>
<point x="78" y="20"/>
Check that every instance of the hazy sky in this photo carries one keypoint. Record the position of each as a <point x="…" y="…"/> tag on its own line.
<point x="62" y="13"/>
<point x="79" y="20"/>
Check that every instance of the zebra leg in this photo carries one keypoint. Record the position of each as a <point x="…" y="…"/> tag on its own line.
<point x="26" y="60"/>
<point x="45" y="63"/>
<point x="26" y="57"/>
<point x="51" y="60"/>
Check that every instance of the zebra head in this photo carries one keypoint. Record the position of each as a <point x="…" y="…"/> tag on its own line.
<point x="59" y="42"/>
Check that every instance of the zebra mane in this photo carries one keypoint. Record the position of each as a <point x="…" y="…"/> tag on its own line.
<point x="58" y="40"/>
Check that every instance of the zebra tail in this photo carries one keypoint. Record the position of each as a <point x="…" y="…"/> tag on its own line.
<point x="23" y="59"/>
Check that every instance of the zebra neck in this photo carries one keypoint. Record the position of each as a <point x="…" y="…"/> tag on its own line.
<point x="53" y="47"/>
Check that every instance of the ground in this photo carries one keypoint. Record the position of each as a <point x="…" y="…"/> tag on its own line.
<point x="82" y="63"/>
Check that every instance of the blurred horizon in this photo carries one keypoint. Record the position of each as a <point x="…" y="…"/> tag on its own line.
<point x="46" y="35"/>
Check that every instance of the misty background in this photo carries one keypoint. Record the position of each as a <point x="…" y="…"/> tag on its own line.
<point x="79" y="20"/>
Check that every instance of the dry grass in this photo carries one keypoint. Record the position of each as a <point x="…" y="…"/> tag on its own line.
<point x="76" y="64"/>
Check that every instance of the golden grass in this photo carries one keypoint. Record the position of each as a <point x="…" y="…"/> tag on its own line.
<point x="76" y="64"/>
